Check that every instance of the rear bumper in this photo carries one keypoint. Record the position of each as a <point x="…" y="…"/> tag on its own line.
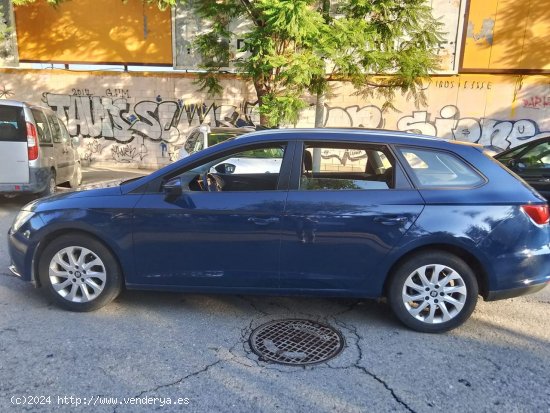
<point x="38" y="181"/>
<point x="515" y="292"/>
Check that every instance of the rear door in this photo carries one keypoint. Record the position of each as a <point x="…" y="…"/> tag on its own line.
<point x="351" y="205"/>
<point x="14" y="159"/>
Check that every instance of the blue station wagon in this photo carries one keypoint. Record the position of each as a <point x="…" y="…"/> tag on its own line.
<point x="429" y="224"/>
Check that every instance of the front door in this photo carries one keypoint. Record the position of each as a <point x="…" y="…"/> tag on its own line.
<point x="222" y="231"/>
<point x="348" y="209"/>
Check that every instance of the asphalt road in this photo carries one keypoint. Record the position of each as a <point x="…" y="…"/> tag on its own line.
<point x="156" y="349"/>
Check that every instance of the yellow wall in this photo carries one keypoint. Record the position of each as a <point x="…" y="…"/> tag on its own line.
<point x="507" y="35"/>
<point x="98" y="31"/>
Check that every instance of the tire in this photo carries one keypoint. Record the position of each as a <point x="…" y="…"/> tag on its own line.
<point x="441" y="283"/>
<point x="76" y="179"/>
<point x="69" y="282"/>
<point x="51" y="187"/>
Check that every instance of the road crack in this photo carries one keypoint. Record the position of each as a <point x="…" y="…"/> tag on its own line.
<point x="176" y="382"/>
<point x="358" y="366"/>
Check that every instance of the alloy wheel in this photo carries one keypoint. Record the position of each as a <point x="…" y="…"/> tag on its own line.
<point x="77" y="274"/>
<point x="434" y="293"/>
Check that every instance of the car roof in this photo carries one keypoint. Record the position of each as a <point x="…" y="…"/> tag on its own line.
<point x="389" y="136"/>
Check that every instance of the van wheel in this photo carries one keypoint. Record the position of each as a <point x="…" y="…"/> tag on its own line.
<point x="76" y="180"/>
<point x="433" y="292"/>
<point x="51" y="188"/>
<point x="79" y="273"/>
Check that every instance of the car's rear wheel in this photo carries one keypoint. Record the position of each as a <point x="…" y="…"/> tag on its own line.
<point x="433" y="292"/>
<point x="79" y="272"/>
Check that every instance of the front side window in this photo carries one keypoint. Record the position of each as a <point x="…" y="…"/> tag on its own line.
<point x="346" y="167"/>
<point x="433" y="168"/>
<point x="254" y="169"/>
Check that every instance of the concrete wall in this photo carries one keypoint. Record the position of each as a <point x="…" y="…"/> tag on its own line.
<point x="142" y="119"/>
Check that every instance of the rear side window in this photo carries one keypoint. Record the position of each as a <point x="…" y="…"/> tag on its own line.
<point x="440" y="169"/>
<point x="12" y="124"/>
<point x="42" y="127"/>
<point x="346" y="166"/>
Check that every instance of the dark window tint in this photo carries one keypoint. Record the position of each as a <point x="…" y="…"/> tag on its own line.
<point x="12" y="124"/>
<point x="536" y="157"/>
<point x="440" y="169"/>
<point x="346" y="167"/>
<point x="42" y="127"/>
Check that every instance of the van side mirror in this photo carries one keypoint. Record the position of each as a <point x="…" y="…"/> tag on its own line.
<point x="173" y="188"/>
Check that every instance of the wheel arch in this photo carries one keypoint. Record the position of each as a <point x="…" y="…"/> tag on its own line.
<point x="64" y="231"/>
<point x="468" y="257"/>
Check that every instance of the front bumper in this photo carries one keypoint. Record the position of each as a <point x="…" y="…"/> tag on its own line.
<point x="21" y="252"/>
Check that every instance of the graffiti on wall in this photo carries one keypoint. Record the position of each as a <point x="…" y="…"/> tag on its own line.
<point x="115" y="118"/>
<point x="485" y="131"/>
<point x="115" y="126"/>
<point x="447" y="124"/>
<point x="112" y="123"/>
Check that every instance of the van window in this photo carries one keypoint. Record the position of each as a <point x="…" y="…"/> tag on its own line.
<point x="54" y="127"/>
<point x="64" y="133"/>
<point x="12" y="124"/>
<point x="42" y="127"/>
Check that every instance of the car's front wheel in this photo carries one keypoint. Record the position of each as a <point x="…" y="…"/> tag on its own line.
<point x="433" y="292"/>
<point x="79" y="272"/>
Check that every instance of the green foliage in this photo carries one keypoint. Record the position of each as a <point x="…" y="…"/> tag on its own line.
<point x="295" y="47"/>
<point x="284" y="108"/>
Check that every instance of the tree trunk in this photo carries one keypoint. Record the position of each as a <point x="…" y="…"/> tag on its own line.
<point x="261" y="91"/>
<point x="320" y="110"/>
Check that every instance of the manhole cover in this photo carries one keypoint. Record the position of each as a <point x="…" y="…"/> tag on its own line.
<point x="296" y="342"/>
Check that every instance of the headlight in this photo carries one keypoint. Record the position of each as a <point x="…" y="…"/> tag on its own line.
<point x="20" y="219"/>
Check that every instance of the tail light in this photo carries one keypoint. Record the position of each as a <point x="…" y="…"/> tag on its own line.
<point x="539" y="214"/>
<point x="32" y="141"/>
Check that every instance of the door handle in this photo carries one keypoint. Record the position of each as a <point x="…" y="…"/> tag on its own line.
<point x="391" y="220"/>
<point x="263" y="221"/>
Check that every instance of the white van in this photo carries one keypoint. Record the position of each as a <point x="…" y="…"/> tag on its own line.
<point x="36" y="151"/>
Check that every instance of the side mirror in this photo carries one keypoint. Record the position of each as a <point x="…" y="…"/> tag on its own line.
<point x="173" y="188"/>
<point x="75" y="141"/>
